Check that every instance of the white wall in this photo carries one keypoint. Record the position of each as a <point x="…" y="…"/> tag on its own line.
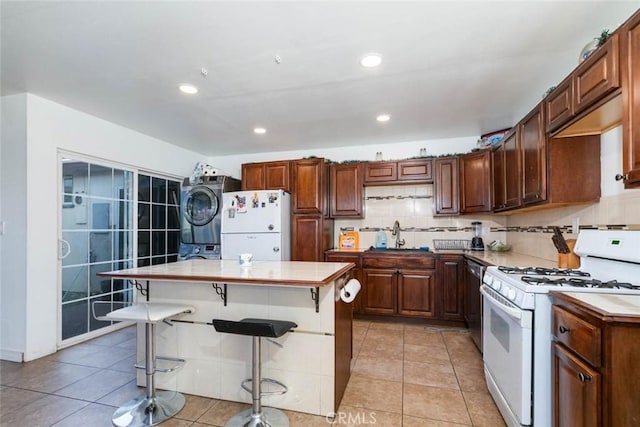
<point x="13" y="244"/>
<point x="232" y="165"/>
<point x="51" y="127"/>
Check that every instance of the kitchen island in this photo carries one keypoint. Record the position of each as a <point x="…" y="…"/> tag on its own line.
<point x="314" y="361"/>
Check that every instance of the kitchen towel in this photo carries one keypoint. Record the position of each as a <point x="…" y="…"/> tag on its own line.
<point x="349" y="291"/>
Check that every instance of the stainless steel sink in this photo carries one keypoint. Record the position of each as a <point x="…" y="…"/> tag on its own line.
<point x="404" y="250"/>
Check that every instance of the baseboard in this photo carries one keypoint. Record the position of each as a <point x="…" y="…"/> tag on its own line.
<point x="12" y="355"/>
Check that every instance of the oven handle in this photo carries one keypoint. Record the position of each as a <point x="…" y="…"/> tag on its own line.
<point x="513" y="312"/>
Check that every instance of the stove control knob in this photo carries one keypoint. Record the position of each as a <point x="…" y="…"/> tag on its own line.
<point x="196" y="250"/>
<point x="488" y="280"/>
<point x="511" y="294"/>
<point x="496" y="285"/>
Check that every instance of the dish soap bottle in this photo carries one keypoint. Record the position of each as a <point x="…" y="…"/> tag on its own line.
<point x="381" y="240"/>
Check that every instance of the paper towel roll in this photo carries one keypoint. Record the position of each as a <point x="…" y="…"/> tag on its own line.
<point x="349" y="291"/>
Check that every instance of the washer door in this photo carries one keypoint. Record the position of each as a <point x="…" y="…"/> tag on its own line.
<point x="200" y="206"/>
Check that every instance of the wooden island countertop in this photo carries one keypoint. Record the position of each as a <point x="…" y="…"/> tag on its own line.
<point x="277" y="273"/>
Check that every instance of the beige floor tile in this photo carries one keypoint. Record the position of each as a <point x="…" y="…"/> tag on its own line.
<point x="221" y="411"/>
<point x="349" y="416"/>
<point x="106" y="357"/>
<point x="409" y="421"/>
<point x="459" y="341"/>
<point x="123" y="394"/>
<point x="482" y="409"/>
<point x="379" y="348"/>
<point x="385" y="369"/>
<point x="15" y="398"/>
<point x="386" y="326"/>
<point x="466" y="359"/>
<point x="58" y="376"/>
<point x="94" y="415"/>
<point x="389" y="336"/>
<point x="471" y="379"/>
<point x="125" y="365"/>
<point x="435" y="403"/>
<point x="194" y="407"/>
<point x="371" y="393"/>
<point x="424" y="338"/>
<point x="96" y="386"/>
<point x="43" y="412"/>
<point x="424" y="354"/>
<point x="12" y="373"/>
<point x="114" y="338"/>
<point x="76" y="352"/>
<point x="176" y="422"/>
<point x="300" y="419"/>
<point x="434" y="375"/>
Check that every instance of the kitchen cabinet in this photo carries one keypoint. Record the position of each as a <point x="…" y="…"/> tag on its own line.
<point x="533" y="146"/>
<point x="475" y="182"/>
<point x="309" y="186"/>
<point x="347" y="191"/>
<point x="594" y="364"/>
<point x="630" y="73"/>
<point x="507" y="173"/>
<point x="450" y="295"/>
<point x="356" y="273"/>
<point x="398" y="285"/>
<point x="447" y="191"/>
<point x="311" y="237"/>
<point x="398" y="172"/>
<point x="589" y="83"/>
<point x="266" y="176"/>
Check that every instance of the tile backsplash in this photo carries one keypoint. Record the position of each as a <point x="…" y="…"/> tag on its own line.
<point x="528" y="233"/>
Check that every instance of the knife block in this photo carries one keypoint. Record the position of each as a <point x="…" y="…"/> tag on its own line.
<point x="570" y="260"/>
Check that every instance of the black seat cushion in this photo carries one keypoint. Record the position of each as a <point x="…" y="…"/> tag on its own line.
<point x="254" y="327"/>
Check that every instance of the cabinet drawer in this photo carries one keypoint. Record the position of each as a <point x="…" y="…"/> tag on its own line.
<point x="579" y="335"/>
<point x="402" y="261"/>
<point x="415" y="170"/>
<point x="558" y="105"/>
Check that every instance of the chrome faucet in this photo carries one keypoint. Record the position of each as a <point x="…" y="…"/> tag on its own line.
<point x="396" y="232"/>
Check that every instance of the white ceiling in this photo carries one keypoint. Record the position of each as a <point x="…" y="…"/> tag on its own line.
<point x="450" y="68"/>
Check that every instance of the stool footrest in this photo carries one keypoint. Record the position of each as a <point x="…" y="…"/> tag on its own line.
<point x="283" y="390"/>
<point x="180" y="363"/>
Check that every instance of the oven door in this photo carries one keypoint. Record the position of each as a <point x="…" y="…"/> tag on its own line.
<point x="507" y="353"/>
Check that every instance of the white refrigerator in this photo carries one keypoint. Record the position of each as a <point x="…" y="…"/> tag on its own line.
<point x="256" y="222"/>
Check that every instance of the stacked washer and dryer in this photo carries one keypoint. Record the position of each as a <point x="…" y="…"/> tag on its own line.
<point x="201" y="214"/>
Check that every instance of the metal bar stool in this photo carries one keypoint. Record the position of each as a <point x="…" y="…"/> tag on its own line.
<point x="257" y="416"/>
<point x="156" y="406"/>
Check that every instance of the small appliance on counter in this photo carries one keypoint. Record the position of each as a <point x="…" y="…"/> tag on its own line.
<point x="476" y="243"/>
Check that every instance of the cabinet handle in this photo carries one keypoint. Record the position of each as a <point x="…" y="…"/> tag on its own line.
<point x="584" y="378"/>
<point x="563" y="329"/>
<point x="621" y="177"/>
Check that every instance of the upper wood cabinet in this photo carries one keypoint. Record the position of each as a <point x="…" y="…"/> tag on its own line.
<point x="630" y="60"/>
<point x="445" y="181"/>
<point x="533" y="144"/>
<point x="346" y="190"/>
<point x="309" y="186"/>
<point x="590" y="82"/>
<point x="266" y="176"/>
<point x="475" y="182"/>
<point x="398" y="172"/>
<point x="507" y="173"/>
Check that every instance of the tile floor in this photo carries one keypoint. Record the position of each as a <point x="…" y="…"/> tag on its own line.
<point x="403" y="375"/>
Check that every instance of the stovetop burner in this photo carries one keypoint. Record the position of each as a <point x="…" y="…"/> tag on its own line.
<point x="578" y="282"/>
<point x="542" y="271"/>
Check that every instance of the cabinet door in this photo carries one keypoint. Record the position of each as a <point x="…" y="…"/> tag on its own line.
<point x="377" y="172"/>
<point x="597" y="76"/>
<point x="415" y="293"/>
<point x="475" y="182"/>
<point x="534" y="159"/>
<point x="576" y="391"/>
<point x="630" y="60"/>
<point x="253" y="176"/>
<point x="306" y="240"/>
<point x="415" y="170"/>
<point x="380" y="291"/>
<point x="558" y="105"/>
<point x="346" y="191"/>
<point x="446" y="186"/>
<point x="499" y="190"/>
<point x="277" y="176"/>
<point x="451" y="286"/>
<point x="308" y="186"/>
<point x="512" y="170"/>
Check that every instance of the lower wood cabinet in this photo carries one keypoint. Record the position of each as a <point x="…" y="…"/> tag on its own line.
<point x="595" y="358"/>
<point x="311" y="237"/>
<point x="450" y="288"/>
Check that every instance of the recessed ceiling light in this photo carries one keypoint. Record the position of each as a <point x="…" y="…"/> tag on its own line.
<point x="188" y="89"/>
<point x="371" y="60"/>
<point x="383" y="118"/>
<point x="259" y="131"/>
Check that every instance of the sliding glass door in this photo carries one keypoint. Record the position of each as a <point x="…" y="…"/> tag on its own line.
<point x="96" y="234"/>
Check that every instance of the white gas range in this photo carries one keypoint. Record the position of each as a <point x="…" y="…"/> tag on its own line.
<point x="517" y="319"/>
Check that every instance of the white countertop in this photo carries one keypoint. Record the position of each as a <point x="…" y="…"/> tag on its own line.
<point x="609" y="304"/>
<point x="287" y="273"/>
